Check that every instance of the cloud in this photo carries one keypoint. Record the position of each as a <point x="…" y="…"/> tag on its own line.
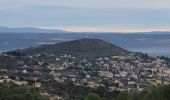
<point x="95" y="4"/>
<point x="149" y="14"/>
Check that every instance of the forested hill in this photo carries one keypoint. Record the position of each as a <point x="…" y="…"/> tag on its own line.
<point x="81" y="48"/>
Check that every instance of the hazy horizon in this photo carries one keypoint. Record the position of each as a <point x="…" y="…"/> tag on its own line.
<point x="87" y="15"/>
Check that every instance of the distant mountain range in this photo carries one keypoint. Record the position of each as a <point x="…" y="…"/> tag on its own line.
<point x="41" y="30"/>
<point x="81" y="48"/>
<point x="28" y="30"/>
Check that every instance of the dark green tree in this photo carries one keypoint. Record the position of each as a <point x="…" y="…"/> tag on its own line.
<point x="92" y="96"/>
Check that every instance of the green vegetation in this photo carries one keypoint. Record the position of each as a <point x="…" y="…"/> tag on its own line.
<point x="14" y="92"/>
<point x="14" y="53"/>
<point x="155" y="93"/>
<point x="92" y="96"/>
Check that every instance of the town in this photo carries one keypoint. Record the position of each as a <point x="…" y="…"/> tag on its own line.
<point x="125" y="72"/>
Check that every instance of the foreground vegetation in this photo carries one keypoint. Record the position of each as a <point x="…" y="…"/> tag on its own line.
<point x="155" y="93"/>
<point x="14" y="92"/>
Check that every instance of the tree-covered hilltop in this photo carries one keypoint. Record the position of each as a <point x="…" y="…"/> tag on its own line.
<point x="14" y="92"/>
<point x="84" y="47"/>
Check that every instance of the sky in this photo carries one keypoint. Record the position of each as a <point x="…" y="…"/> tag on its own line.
<point x="87" y="15"/>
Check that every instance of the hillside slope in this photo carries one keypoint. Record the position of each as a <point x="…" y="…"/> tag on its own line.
<point x="84" y="47"/>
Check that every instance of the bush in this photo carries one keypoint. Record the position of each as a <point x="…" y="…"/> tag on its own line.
<point x="14" y="92"/>
<point x="92" y="96"/>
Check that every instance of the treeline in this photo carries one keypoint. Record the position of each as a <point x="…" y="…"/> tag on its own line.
<point x="14" y="92"/>
<point x="14" y="53"/>
<point x="155" y="93"/>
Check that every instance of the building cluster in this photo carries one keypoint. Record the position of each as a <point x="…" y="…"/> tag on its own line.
<point x="124" y="72"/>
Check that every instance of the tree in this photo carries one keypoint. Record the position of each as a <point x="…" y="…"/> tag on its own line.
<point x="92" y="96"/>
<point x="15" y="92"/>
<point x="122" y="96"/>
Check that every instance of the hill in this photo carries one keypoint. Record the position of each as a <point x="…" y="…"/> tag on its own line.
<point x="84" y="47"/>
<point x="27" y="30"/>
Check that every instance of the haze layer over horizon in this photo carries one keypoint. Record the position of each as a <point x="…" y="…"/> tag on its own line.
<point x="87" y="15"/>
